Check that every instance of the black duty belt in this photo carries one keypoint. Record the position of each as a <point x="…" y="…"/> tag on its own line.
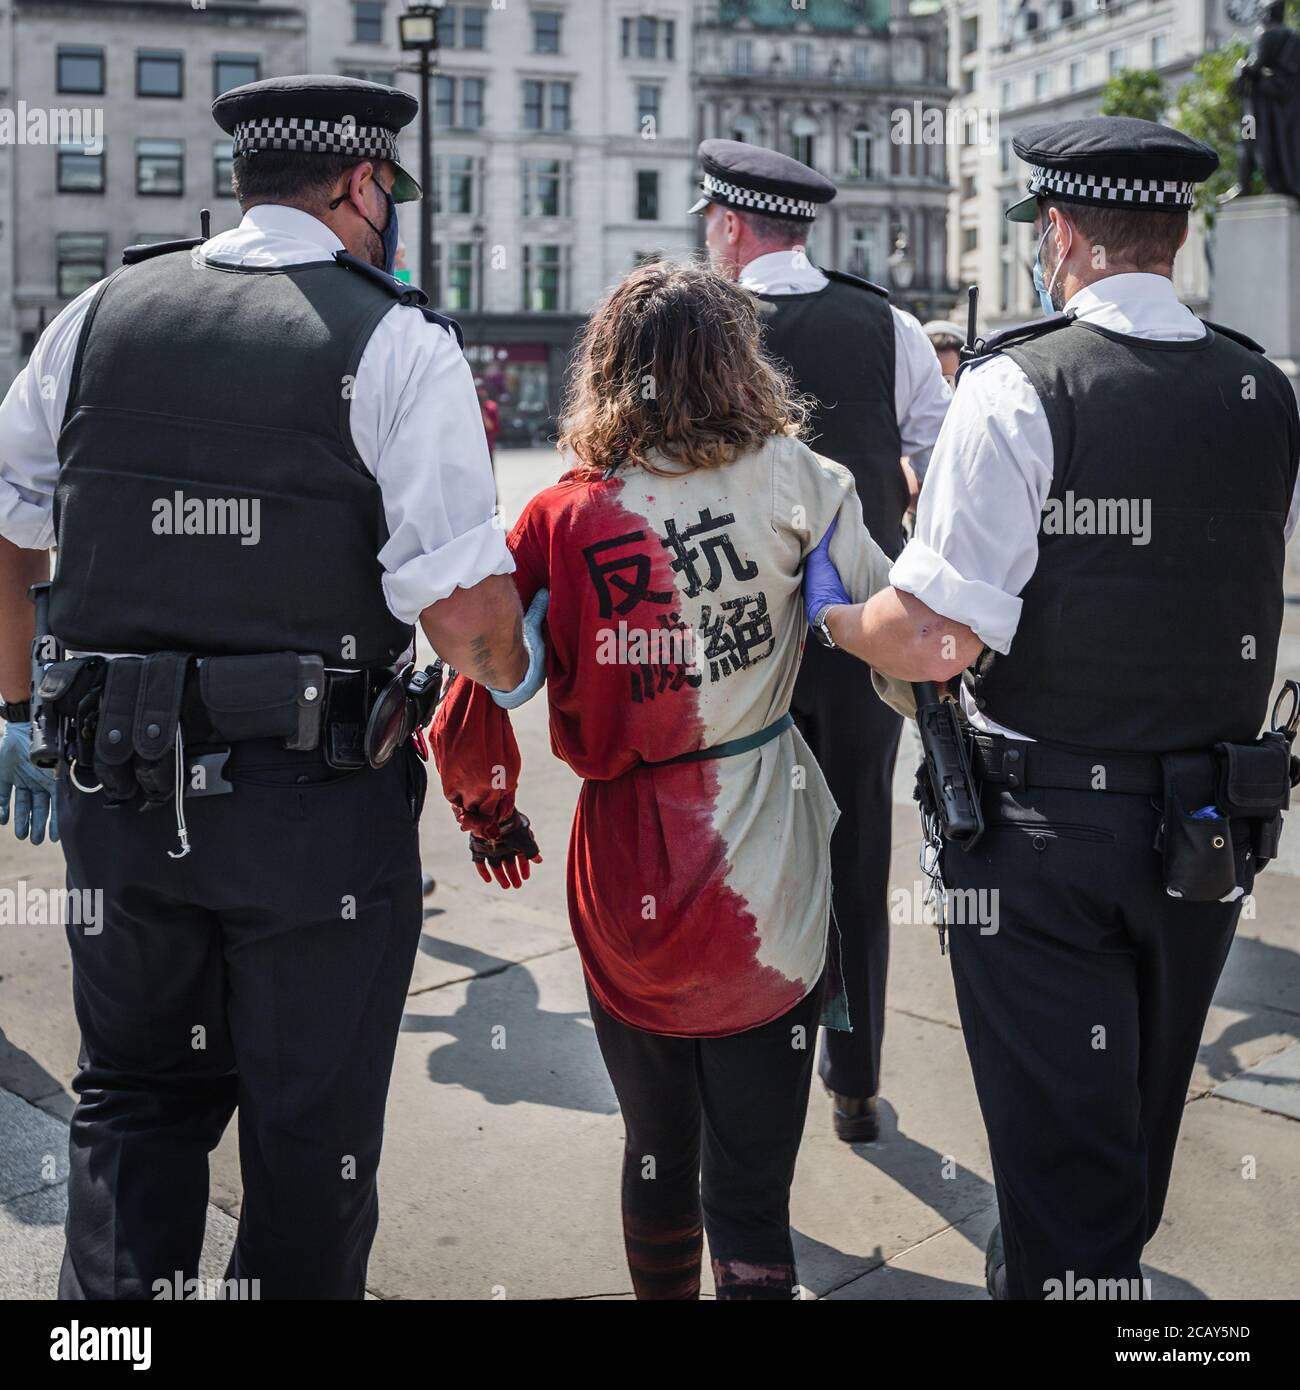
<point x="732" y="748"/>
<point x="1014" y="763"/>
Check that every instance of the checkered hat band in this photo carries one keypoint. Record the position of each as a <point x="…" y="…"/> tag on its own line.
<point x="1092" y="188"/>
<point x="315" y="137"/>
<point x="775" y="204"/>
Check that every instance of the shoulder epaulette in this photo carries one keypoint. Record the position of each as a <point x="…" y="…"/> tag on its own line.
<point x="1012" y="337"/>
<point x="145" y="251"/>
<point x="443" y="322"/>
<point x="1236" y="337"/>
<point x="410" y="295"/>
<point x="846" y="279"/>
<point x="390" y="284"/>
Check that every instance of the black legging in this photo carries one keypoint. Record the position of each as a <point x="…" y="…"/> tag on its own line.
<point x="712" y="1122"/>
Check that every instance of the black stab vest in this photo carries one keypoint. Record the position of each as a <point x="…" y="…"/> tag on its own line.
<point x="197" y="387"/>
<point x="838" y="344"/>
<point x="1170" y="645"/>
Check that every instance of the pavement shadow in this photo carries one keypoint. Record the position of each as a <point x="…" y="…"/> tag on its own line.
<point x="955" y="1194"/>
<point x="22" y="1074"/>
<point x="504" y="1045"/>
<point x="1250" y="961"/>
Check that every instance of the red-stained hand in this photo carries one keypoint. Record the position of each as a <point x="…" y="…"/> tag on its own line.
<point x="506" y="858"/>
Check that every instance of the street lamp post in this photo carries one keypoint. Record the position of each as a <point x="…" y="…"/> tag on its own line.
<point x="901" y="267"/>
<point x="417" y="29"/>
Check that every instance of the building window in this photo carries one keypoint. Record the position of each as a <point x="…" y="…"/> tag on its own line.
<point x="472" y="25"/>
<point x="546" y="105"/>
<point x="1115" y="62"/>
<point x="860" y="251"/>
<point x="80" y="260"/>
<point x="458" y="103"/>
<point x="647" y="195"/>
<point x="743" y="63"/>
<point x="80" y="70"/>
<point x="469" y="33"/>
<point x="1042" y="84"/>
<point x="803" y="138"/>
<point x="547" y="188"/>
<point x="1004" y="155"/>
<point x="453" y="283"/>
<point x="1078" y="74"/>
<point x="861" y="154"/>
<point x="386" y="77"/>
<point x="368" y="21"/>
<point x="546" y="31"/>
<point x="545" y="289"/>
<point x="970" y="239"/>
<point x="79" y="170"/>
<point x="648" y="38"/>
<point x="1007" y="94"/>
<point x="160" y="168"/>
<point x="1159" y="50"/>
<point x="233" y="70"/>
<point x="647" y="109"/>
<point x="455" y="184"/>
<point x="159" y="73"/>
<point x="745" y="128"/>
<point x="223" y="161"/>
<point x="802" y="59"/>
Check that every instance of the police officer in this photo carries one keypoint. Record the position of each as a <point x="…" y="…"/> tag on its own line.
<point x="880" y="395"/>
<point x="1101" y="539"/>
<point x="264" y="460"/>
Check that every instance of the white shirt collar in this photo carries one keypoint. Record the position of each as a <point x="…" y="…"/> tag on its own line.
<point x="272" y="234"/>
<point x="1137" y="305"/>
<point x="783" y="272"/>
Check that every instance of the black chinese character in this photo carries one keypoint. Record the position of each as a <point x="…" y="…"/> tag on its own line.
<point x="672" y="661"/>
<point x="605" y="573"/>
<point x="732" y="639"/>
<point x="685" y="555"/>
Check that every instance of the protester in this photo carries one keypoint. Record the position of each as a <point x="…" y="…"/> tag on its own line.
<point x="946" y="339"/>
<point x="699" y="866"/>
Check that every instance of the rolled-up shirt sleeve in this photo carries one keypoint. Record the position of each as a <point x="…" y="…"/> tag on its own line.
<point x="31" y="417"/>
<point x="976" y="541"/>
<point x="417" y="425"/>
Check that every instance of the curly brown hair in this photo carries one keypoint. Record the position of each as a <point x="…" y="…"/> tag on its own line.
<point x="672" y="360"/>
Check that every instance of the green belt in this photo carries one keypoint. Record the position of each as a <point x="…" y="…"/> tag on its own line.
<point x="733" y="746"/>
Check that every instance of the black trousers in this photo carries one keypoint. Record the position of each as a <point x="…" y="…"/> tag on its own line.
<point x="265" y="970"/>
<point x="1082" y="1010"/>
<point x="854" y="736"/>
<point x="713" y="1130"/>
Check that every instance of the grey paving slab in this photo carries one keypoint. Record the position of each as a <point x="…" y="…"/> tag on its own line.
<point x="501" y="1161"/>
<point x="33" y="1148"/>
<point x="31" y="1244"/>
<point x="946" y="1267"/>
<point x="1231" y="1226"/>
<point x="1273" y="1085"/>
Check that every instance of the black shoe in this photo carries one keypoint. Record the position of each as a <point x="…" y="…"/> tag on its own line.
<point x="427" y="884"/>
<point x="995" y="1266"/>
<point x="857" y="1121"/>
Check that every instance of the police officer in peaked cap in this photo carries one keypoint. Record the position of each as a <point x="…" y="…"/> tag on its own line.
<point x="264" y="463"/>
<point x="1099" y="551"/>
<point x="880" y="395"/>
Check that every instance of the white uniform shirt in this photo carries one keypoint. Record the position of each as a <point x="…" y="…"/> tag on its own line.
<point x="975" y="546"/>
<point x="921" y="395"/>
<point x="415" y="421"/>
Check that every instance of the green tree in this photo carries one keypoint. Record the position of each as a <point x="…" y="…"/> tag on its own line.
<point x="1136" y="92"/>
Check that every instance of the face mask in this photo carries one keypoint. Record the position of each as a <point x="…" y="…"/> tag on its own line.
<point x="1044" y="289"/>
<point x="388" y="234"/>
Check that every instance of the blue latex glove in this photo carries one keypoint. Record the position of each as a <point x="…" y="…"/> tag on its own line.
<point x="821" y="580"/>
<point x="535" y="676"/>
<point x="32" y="787"/>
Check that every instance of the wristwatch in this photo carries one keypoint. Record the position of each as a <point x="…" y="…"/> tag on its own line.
<point x="18" y="712"/>
<point x="820" y="630"/>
